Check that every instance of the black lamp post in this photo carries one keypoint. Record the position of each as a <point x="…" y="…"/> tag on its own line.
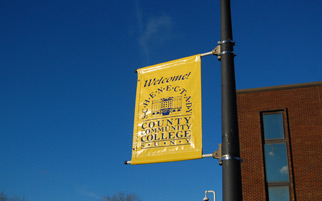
<point x="232" y="189"/>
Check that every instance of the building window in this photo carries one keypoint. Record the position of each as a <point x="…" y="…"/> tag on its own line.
<point x="275" y="155"/>
<point x="279" y="193"/>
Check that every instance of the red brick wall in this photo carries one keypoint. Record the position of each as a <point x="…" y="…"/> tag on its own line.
<point x="302" y="106"/>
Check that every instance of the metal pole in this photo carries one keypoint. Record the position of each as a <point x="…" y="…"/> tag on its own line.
<point x="232" y="189"/>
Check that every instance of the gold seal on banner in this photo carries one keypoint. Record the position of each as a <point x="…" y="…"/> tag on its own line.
<point x="167" y="125"/>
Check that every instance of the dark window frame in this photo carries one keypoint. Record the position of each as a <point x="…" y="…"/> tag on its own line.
<point x="276" y="141"/>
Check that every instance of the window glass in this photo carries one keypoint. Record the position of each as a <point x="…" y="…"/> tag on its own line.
<point x="276" y="165"/>
<point x="278" y="193"/>
<point x="273" y="126"/>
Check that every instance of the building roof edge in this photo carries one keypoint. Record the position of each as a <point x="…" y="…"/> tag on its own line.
<point x="281" y="87"/>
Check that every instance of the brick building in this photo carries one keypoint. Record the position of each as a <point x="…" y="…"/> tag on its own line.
<point x="280" y="131"/>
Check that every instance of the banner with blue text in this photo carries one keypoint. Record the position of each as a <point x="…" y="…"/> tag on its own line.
<point x="167" y="124"/>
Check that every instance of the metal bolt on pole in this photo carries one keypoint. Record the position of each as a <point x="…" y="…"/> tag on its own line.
<point x="232" y="189"/>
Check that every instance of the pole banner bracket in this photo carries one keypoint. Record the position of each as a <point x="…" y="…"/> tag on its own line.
<point x="227" y="157"/>
<point x="226" y="41"/>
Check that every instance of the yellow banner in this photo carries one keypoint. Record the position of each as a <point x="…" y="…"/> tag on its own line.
<point x="167" y="125"/>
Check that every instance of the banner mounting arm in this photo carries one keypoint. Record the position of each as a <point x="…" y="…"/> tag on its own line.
<point x="217" y="155"/>
<point x="215" y="51"/>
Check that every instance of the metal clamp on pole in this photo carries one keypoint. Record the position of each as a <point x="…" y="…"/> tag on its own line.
<point x="227" y="157"/>
<point x="225" y="52"/>
<point x="217" y="50"/>
<point x="226" y="41"/>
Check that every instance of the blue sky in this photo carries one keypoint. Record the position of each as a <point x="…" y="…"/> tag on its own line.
<point x="67" y="87"/>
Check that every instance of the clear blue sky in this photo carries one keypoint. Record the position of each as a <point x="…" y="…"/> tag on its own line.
<point x="67" y="87"/>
